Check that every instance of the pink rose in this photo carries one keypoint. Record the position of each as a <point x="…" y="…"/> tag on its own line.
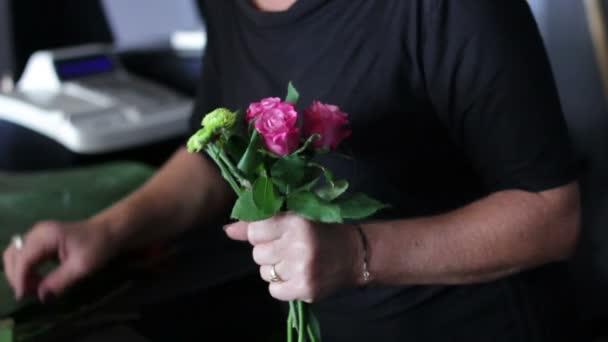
<point x="283" y="143"/>
<point x="256" y="109"/>
<point x="278" y="127"/>
<point x="328" y="121"/>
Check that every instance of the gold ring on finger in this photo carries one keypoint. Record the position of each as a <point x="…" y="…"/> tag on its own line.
<point x="274" y="277"/>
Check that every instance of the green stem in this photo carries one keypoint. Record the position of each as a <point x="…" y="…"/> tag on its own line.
<point x="311" y="334"/>
<point x="301" y="322"/>
<point x="212" y="152"/>
<point x="290" y="327"/>
<point x="328" y="175"/>
<point x="293" y="313"/>
<point x="234" y="170"/>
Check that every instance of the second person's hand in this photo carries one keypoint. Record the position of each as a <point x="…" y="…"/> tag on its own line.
<point x="80" y="247"/>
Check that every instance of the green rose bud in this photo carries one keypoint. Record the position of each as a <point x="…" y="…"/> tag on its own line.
<point x="198" y="141"/>
<point x="219" y="118"/>
<point x="212" y="123"/>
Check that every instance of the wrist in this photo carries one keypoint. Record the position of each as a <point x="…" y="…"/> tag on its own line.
<point x="113" y="223"/>
<point x="360" y="266"/>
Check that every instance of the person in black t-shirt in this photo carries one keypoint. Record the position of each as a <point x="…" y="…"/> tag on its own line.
<point x="456" y="123"/>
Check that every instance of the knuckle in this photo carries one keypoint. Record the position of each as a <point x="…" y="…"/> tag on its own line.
<point x="46" y="226"/>
<point x="43" y="230"/>
<point x="6" y="256"/>
<point x="300" y="226"/>
<point x="253" y="232"/>
<point x="257" y="255"/>
<point x="80" y="265"/>
<point x="279" y="292"/>
<point x="273" y="291"/>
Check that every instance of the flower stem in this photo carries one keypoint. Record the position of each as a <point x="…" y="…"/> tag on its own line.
<point x="294" y="318"/>
<point x="212" y="151"/>
<point x="311" y="334"/>
<point x="234" y="170"/>
<point x="290" y="327"/>
<point x="301" y="322"/>
<point x="328" y="175"/>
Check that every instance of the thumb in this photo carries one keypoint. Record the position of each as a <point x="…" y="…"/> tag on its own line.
<point x="237" y="231"/>
<point x="56" y="282"/>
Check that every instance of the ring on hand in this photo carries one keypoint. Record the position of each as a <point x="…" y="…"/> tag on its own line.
<point x="18" y="242"/>
<point x="274" y="277"/>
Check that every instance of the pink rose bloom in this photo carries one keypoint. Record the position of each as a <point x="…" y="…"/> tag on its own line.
<point x="278" y="127"/>
<point x="256" y="109"/>
<point x="283" y="143"/>
<point x="328" y="121"/>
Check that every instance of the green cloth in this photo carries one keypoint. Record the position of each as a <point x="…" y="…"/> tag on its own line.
<point x="67" y="194"/>
<point x="6" y="331"/>
<point x="72" y="194"/>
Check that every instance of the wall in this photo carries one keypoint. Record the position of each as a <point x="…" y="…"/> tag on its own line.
<point x="6" y="50"/>
<point x="567" y="37"/>
<point x="58" y="23"/>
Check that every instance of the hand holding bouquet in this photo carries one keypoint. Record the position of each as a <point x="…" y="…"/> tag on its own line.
<point x="267" y="155"/>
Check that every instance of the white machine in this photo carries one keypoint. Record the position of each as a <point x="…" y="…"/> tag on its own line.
<point x="84" y="99"/>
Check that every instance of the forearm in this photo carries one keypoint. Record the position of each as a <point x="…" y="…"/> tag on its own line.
<point x="493" y="237"/>
<point x="186" y="191"/>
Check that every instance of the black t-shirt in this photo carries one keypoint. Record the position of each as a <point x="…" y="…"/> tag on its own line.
<point x="449" y="100"/>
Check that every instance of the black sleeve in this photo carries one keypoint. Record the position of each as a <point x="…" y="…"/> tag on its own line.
<point x="207" y="95"/>
<point x="489" y="80"/>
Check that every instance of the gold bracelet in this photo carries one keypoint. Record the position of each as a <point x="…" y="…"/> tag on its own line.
<point x="366" y="275"/>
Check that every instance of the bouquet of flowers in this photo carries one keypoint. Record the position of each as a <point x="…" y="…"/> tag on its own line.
<point x="267" y="155"/>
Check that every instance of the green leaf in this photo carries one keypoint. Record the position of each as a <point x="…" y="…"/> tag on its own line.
<point x="293" y="96"/>
<point x="359" y="206"/>
<point x="310" y="206"/>
<point x="288" y="173"/>
<point x="265" y="196"/>
<point x="245" y="209"/>
<point x="251" y="158"/>
<point x="332" y="191"/>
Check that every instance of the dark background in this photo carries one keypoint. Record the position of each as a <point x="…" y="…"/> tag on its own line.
<point x="6" y="48"/>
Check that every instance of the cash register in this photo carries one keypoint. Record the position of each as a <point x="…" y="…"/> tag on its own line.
<point x="85" y="100"/>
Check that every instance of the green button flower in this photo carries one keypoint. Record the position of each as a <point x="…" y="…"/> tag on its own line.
<point x="212" y="123"/>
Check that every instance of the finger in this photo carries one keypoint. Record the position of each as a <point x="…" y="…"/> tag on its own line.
<point x="237" y="231"/>
<point x="266" y="231"/>
<point x="60" y="279"/>
<point x="35" y="250"/>
<point x="266" y="273"/>
<point x="32" y="279"/>
<point x="266" y="254"/>
<point x="282" y="291"/>
<point x="9" y="265"/>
